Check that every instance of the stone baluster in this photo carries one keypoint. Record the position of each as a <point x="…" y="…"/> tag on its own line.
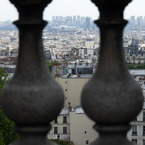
<point x="32" y="99"/>
<point x="112" y="98"/>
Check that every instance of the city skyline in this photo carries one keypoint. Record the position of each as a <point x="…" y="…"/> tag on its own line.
<point x="70" y="8"/>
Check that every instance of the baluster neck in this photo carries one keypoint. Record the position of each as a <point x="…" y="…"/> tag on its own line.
<point x="111" y="47"/>
<point x="31" y="55"/>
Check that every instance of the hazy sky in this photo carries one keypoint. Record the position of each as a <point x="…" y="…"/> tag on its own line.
<point x="70" y="8"/>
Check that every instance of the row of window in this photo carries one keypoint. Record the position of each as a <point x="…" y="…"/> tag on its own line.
<point x="135" y="141"/>
<point x="134" y="130"/>
<point x="143" y="116"/>
<point x="56" y="130"/>
<point x="64" y="120"/>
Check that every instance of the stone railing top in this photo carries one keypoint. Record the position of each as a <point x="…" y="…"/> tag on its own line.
<point x="111" y="8"/>
<point x="28" y="2"/>
<point x="30" y="9"/>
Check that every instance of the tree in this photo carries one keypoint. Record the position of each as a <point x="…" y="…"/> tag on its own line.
<point x="7" y="133"/>
<point x="130" y="66"/>
<point x="3" y="78"/>
<point x="51" y="64"/>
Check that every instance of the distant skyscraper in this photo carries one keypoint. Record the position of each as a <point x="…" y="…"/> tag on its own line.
<point x="53" y="19"/>
<point x="74" y="19"/>
<point x="56" y="18"/>
<point x="60" y="18"/>
<point x="78" y="18"/>
<point x="69" y="20"/>
<point x="88" y="23"/>
<point x="140" y="20"/>
<point x="132" y="19"/>
<point x="83" y="21"/>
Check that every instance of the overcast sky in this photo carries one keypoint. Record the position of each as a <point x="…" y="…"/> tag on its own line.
<point x="70" y="8"/>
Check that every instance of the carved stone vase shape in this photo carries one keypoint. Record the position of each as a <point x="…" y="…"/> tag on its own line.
<point x="112" y="98"/>
<point x="32" y="99"/>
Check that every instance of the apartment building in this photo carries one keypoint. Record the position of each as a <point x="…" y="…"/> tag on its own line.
<point x="137" y="131"/>
<point x="69" y="124"/>
<point x="72" y="87"/>
<point x="61" y="127"/>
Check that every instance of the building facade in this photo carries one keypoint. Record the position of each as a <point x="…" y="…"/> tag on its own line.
<point x="137" y="131"/>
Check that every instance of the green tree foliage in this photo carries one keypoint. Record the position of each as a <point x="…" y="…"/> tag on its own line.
<point x="130" y="66"/>
<point x="3" y="78"/>
<point x="141" y="66"/>
<point x="51" y="64"/>
<point x="61" y="142"/>
<point x="7" y="133"/>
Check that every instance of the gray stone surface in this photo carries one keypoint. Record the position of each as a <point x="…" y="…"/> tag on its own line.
<point x="32" y="99"/>
<point x="112" y="98"/>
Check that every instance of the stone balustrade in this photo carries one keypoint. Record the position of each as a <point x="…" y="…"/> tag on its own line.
<point x="32" y="99"/>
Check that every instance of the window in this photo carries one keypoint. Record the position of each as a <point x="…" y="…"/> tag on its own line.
<point x="143" y="130"/>
<point x="55" y="130"/>
<point x="64" y="130"/>
<point x="133" y="59"/>
<point x="134" y="130"/>
<point x="85" y="51"/>
<point x="143" y="116"/>
<point x="64" y="119"/>
<point x="85" y="57"/>
<point x="134" y="140"/>
<point x="87" y="142"/>
<point x="85" y="132"/>
<point x="139" y="60"/>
